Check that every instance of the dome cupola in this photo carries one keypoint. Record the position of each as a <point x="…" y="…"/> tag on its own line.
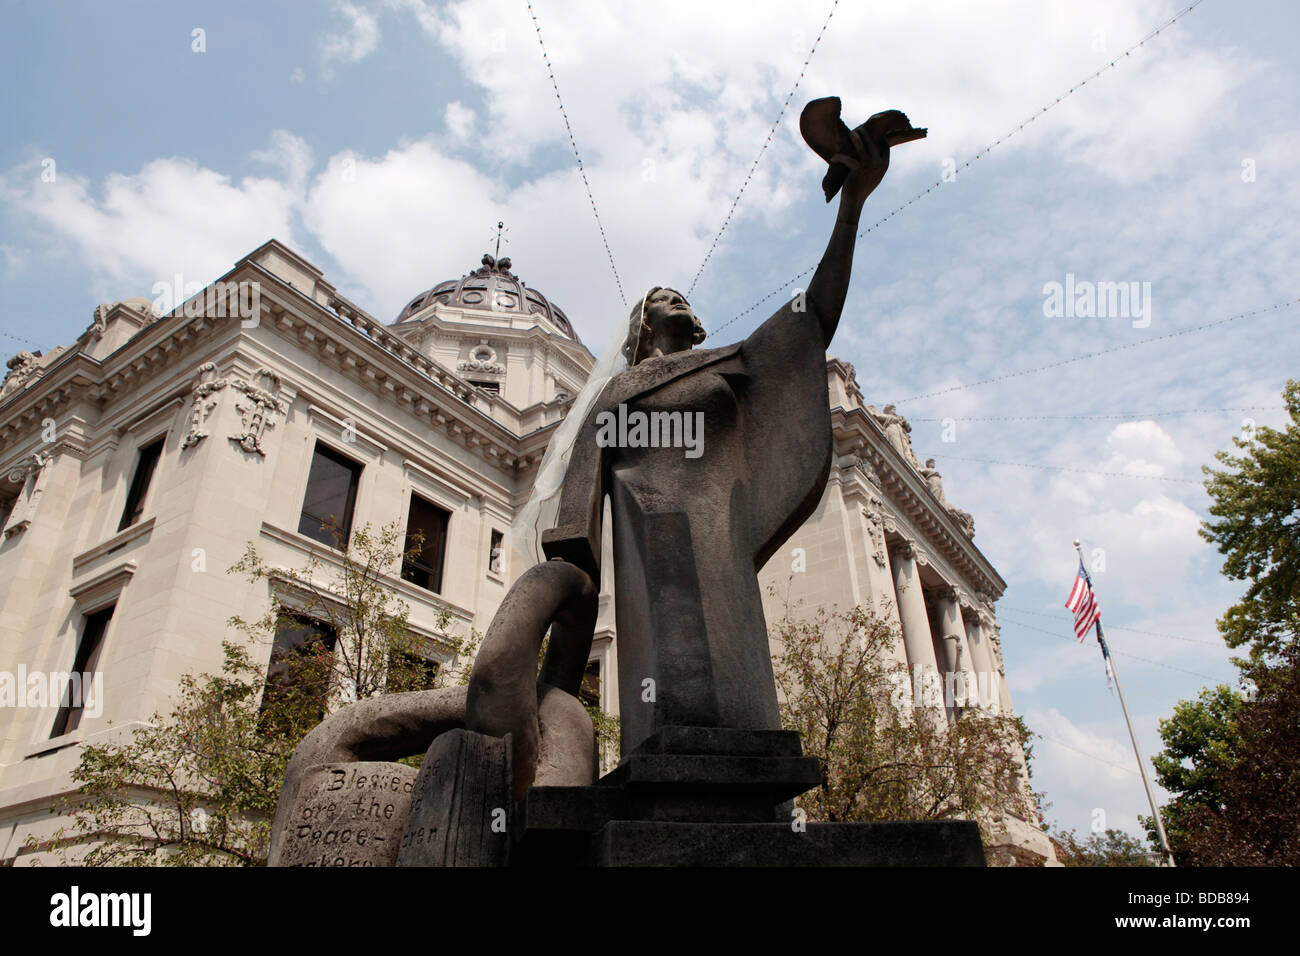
<point x="491" y="288"/>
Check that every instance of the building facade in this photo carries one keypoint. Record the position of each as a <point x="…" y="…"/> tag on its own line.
<point x="140" y="462"/>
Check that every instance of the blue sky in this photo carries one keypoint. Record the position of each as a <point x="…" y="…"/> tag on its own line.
<point x="383" y="140"/>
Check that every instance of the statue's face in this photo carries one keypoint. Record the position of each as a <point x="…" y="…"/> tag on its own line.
<point x="670" y="317"/>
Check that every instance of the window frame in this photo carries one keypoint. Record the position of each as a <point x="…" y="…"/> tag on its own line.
<point x="328" y="451"/>
<point x="84" y="659"/>
<point x="137" y="494"/>
<point x="441" y="568"/>
<point x="290" y="620"/>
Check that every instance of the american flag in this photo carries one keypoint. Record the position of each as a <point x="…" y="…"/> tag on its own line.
<point x="1083" y="604"/>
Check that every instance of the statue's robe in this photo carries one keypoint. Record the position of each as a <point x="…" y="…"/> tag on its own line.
<point x="690" y="535"/>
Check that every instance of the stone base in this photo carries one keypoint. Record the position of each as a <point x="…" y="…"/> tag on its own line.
<point x="696" y="796"/>
<point x="1016" y="843"/>
<point x="930" y="843"/>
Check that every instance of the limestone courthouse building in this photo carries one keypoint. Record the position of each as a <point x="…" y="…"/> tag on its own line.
<point x="139" y="462"/>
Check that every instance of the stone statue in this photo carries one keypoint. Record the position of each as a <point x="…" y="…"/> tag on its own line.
<point x="692" y="526"/>
<point x="931" y="476"/>
<point x="690" y="534"/>
<point x="897" y="430"/>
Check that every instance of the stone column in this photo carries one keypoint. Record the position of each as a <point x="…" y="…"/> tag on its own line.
<point x="958" y="666"/>
<point x="988" y="686"/>
<point x="880" y="580"/>
<point x="995" y="647"/>
<point x="915" y="623"/>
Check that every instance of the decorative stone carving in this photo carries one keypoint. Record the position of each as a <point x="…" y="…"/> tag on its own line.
<point x="203" y="402"/>
<point x="99" y="320"/>
<point x="897" y="430"/>
<point x="964" y="519"/>
<point x="21" y="368"/>
<point x="31" y="473"/>
<point x="482" y="358"/>
<point x="863" y="464"/>
<point x="257" y="409"/>
<point x="994" y="630"/>
<point x="876" y="528"/>
<point x="906" y="548"/>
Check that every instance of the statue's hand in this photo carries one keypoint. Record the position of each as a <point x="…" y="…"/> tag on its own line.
<point x="873" y="163"/>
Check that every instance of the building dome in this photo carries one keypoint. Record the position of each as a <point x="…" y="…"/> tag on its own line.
<point x="491" y="288"/>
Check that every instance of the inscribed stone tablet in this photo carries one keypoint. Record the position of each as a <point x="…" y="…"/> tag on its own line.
<point x="460" y="808"/>
<point x="349" y="814"/>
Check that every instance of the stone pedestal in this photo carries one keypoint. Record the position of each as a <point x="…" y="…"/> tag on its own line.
<point x="917" y="843"/>
<point x="700" y="796"/>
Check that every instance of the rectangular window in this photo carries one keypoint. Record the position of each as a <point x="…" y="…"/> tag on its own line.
<point x="495" y="552"/>
<point x="426" y="544"/>
<point x="144" y="469"/>
<point x="331" y="496"/>
<point x="300" y="673"/>
<point x="84" y="663"/>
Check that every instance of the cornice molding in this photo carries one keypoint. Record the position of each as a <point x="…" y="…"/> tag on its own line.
<point x="910" y="497"/>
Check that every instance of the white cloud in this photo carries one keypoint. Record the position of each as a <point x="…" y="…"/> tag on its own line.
<point x="459" y="119"/>
<point x="289" y="154"/>
<point x="359" y="39"/>
<point x="1090" y="770"/>
<point x="398" y="220"/>
<point x="173" y="216"/>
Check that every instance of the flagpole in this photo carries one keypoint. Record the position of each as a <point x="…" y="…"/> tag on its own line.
<point x="1142" y="768"/>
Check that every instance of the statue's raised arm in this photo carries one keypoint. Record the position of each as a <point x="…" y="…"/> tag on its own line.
<point x="785" y="357"/>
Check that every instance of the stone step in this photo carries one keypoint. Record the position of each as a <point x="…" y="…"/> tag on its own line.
<point x="782" y="777"/>
<point x="721" y="741"/>
<point x="920" y="843"/>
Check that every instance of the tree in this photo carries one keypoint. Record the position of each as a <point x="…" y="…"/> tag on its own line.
<point x="1196" y="739"/>
<point x="199" y="784"/>
<point x="1257" y="507"/>
<point x="881" y="759"/>
<point x="1232" y="762"/>
<point x="360" y="642"/>
<point x="1235" y="804"/>
<point x="1112" y="848"/>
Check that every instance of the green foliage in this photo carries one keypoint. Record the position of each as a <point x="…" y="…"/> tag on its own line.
<point x="200" y="783"/>
<point x="1112" y="848"/>
<point x="1257" y="507"/>
<point x="196" y="786"/>
<point x="1197" y="741"/>
<point x="1232" y="762"/>
<point x="882" y="759"/>
<point x="1235" y="804"/>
